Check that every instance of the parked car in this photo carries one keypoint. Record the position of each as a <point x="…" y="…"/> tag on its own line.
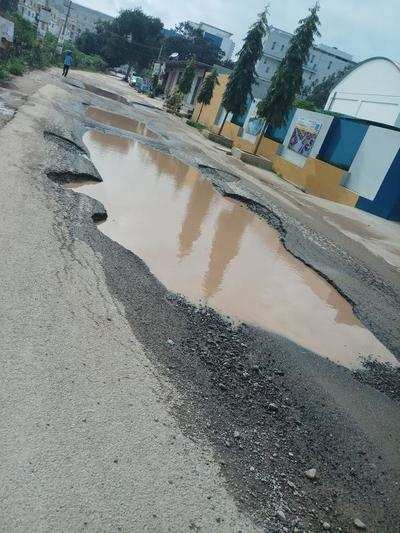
<point x="135" y="80"/>
<point x="143" y="87"/>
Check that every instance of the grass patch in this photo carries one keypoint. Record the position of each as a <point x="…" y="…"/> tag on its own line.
<point x="196" y="125"/>
<point x="4" y="74"/>
<point x="16" y="66"/>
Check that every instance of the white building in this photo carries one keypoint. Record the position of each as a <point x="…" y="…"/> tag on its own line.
<point x="371" y="91"/>
<point x="6" y="32"/>
<point x="221" y="38"/>
<point x="323" y="60"/>
<point x="50" y="15"/>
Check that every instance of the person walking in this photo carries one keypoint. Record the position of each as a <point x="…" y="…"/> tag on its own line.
<point x="68" y="60"/>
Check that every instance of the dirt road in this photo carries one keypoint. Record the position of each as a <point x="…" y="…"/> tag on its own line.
<point x="126" y="407"/>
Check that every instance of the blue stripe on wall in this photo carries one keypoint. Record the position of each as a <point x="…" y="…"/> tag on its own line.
<point x="342" y="142"/>
<point x="387" y="201"/>
<point x="279" y="134"/>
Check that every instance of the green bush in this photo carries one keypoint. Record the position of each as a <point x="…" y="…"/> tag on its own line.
<point x="84" y="61"/>
<point x="4" y="74"/>
<point x="305" y="104"/>
<point x="196" y="125"/>
<point x="16" y="66"/>
<point x="174" y="102"/>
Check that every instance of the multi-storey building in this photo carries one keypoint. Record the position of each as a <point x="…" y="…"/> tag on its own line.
<point x="50" y="15"/>
<point x="221" y="38"/>
<point x="323" y="60"/>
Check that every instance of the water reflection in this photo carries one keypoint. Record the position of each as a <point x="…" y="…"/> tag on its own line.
<point x="111" y="143"/>
<point x="230" y="227"/>
<point x="120" y="121"/>
<point x="197" y="209"/>
<point x="213" y="249"/>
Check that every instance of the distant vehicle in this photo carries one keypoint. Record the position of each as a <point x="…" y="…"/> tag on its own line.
<point x="134" y="80"/>
<point x="143" y="87"/>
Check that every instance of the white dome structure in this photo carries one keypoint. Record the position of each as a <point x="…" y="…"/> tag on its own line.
<point x="371" y="91"/>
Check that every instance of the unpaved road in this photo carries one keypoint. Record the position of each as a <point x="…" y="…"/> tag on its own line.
<point x="125" y="408"/>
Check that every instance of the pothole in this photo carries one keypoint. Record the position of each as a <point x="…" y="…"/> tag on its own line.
<point x="120" y="121"/>
<point x="217" y="252"/>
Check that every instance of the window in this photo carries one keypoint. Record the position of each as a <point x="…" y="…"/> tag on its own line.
<point x="267" y="70"/>
<point x="330" y="64"/>
<point x="273" y="45"/>
<point x="282" y="47"/>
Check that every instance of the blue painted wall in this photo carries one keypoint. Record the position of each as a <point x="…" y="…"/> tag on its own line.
<point x="239" y="120"/>
<point x="342" y="142"/>
<point x="279" y="134"/>
<point x="387" y="201"/>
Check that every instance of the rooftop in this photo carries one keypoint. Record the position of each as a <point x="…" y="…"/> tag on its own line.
<point x="332" y="50"/>
<point x="205" y="24"/>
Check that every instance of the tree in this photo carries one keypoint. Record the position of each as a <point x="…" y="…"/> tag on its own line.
<point x="243" y="77"/>
<point x="89" y="42"/>
<point x="186" y="81"/>
<point x="207" y="90"/>
<point x="8" y="5"/>
<point x="319" y="93"/>
<point x="142" y="34"/>
<point x="287" y="80"/>
<point x="133" y="38"/>
<point x="188" y="41"/>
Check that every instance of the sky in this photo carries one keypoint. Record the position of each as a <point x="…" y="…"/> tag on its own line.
<point x="363" y="28"/>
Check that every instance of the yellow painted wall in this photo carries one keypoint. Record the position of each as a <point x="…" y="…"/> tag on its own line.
<point x="230" y="130"/>
<point x="316" y="177"/>
<point x="209" y="113"/>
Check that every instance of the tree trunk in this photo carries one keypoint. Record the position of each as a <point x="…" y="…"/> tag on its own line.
<point x="201" y="109"/>
<point x="223" y="123"/>
<point x="128" y="72"/>
<point x="260" y="137"/>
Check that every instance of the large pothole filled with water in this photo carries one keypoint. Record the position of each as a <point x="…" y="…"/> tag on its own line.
<point x="215" y="251"/>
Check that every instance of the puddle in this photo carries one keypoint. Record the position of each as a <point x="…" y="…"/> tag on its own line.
<point x="106" y="94"/>
<point x="120" y="121"/>
<point x="214" y="250"/>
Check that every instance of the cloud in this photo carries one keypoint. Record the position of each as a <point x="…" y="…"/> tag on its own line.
<point x="363" y="28"/>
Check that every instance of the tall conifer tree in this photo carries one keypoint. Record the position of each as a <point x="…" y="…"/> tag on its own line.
<point x="207" y="90"/>
<point x="244" y="73"/>
<point x="287" y="80"/>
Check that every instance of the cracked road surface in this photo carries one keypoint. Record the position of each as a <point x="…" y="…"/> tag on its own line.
<point x="126" y="408"/>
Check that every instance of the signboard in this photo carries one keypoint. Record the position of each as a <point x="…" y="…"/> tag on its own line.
<point x="304" y="135"/>
<point x="6" y="32"/>
<point x="253" y="124"/>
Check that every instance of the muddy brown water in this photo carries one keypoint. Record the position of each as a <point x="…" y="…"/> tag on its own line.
<point x="105" y="94"/>
<point x="213" y="250"/>
<point x="120" y="121"/>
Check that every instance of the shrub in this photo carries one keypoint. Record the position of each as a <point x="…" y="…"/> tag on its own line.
<point x="174" y="102"/>
<point x="305" y="104"/>
<point x="16" y="66"/>
<point x="196" y="125"/>
<point x="4" y="74"/>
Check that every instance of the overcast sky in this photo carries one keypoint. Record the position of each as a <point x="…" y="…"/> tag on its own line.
<point x="363" y="28"/>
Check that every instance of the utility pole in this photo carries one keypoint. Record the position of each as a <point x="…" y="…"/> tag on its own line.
<point x="61" y="35"/>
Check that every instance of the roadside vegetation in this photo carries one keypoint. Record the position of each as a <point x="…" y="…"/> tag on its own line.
<point x="137" y="40"/>
<point x="28" y="52"/>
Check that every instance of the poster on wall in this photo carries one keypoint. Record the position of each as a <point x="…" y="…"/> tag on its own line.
<point x="253" y="124"/>
<point x="304" y="135"/>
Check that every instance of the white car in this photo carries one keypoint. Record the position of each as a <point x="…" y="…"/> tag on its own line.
<point x="135" y="80"/>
